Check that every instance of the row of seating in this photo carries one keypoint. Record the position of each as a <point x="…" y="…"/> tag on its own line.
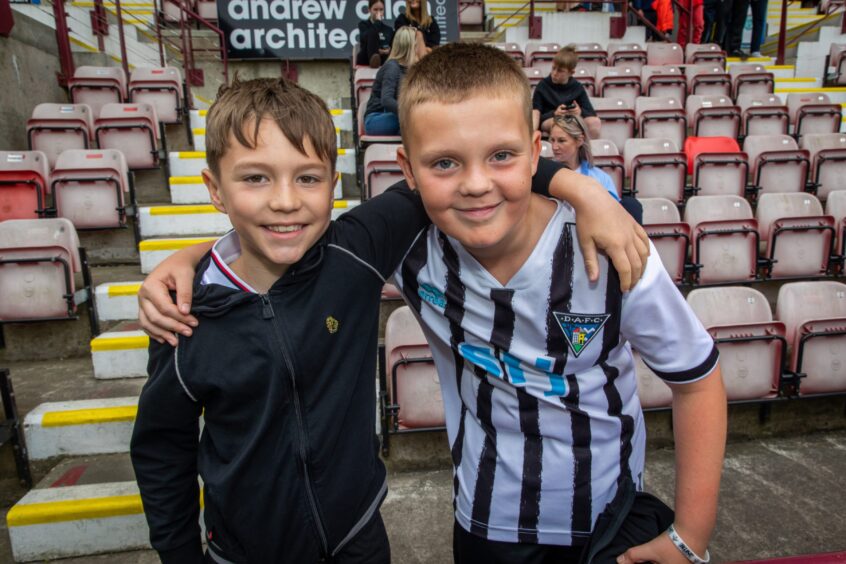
<point x="802" y="352"/>
<point x="837" y="60"/>
<point x="160" y="87"/>
<point x="132" y="128"/>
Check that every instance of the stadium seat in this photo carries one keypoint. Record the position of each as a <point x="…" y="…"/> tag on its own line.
<point x="161" y="88"/>
<point x="207" y="9"/>
<point x="540" y="55"/>
<point x="24" y="181"/>
<point x="814" y="316"/>
<point x="752" y="346"/>
<point x="835" y="206"/>
<point x="89" y="187"/>
<point x="631" y="55"/>
<point x="534" y="76"/>
<point x="656" y="169"/>
<point x="591" y="55"/>
<point x="763" y="114"/>
<point x="471" y="12"/>
<point x="751" y="78"/>
<point x="652" y="391"/>
<point x="363" y="84"/>
<point x="514" y="51"/>
<point x="413" y="390"/>
<point x="617" y="119"/>
<point x="619" y="82"/>
<point x="713" y="116"/>
<point x="664" y="81"/>
<point x="797" y="239"/>
<point x="381" y="169"/>
<point x="608" y="158"/>
<point x="365" y="139"/>
<point x="813" y="113"/>
<point x="776" y="163"/>
<point x="708" y="80"/>
<point x="586" y="76"/>
<point x="837" y="60"/>
<point x="38" y="261"/>
<point x="54" y="128"/>
<point x="664" y="54"/>
<point x="716" y="165"/>
<point x="132" y="129"/>
<point x="704" y="53"/>
<point x="827" y="152"/>
<point x="661" y="117"/>
<point x="97" y="86"/>
<point x="670" y="236"/>
<point x="724" y="239"/>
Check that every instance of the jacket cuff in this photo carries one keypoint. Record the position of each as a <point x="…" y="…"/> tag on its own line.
<point x="190" y="553"/>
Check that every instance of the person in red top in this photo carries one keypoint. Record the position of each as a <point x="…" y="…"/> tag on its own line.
<point x="684" y="36"/>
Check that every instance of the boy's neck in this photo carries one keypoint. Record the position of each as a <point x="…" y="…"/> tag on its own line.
<point x="258" y="274"/>
<point x="506" y="258"/>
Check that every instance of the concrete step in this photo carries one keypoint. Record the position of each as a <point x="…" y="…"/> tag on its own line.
<point x="117" y="301"/>
<point x="837" y="95"/>
<point x="154" y="251"/>
<point x="192" y="163"/>
<point x="80" y="427"/>
<point x="120" y="354"/>
<point x="199" y="219"/>
<point x="797" y="82"/>
<point x="192" y="190"/>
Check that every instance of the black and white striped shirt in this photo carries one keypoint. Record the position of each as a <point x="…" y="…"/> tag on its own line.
<point x="538" y="379"/>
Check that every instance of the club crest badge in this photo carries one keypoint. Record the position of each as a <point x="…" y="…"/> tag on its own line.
<point x="579" y="328"/>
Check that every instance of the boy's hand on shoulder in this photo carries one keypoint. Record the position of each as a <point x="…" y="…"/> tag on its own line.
<point x="660" y="550"/>
<point x="160" y="318"/>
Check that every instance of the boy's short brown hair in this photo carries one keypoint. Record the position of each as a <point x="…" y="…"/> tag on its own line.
<point x="453" y="72"/>
<point x="298" y="113"/>
<point x="566" y="58"/>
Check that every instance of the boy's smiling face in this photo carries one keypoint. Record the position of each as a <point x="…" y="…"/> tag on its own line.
<point x="278" y="200"/>
<point x="472" y="163"/>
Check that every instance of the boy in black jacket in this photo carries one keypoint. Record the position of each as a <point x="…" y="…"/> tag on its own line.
<point x="561" y="94"/>
<point x="282" y="367"/>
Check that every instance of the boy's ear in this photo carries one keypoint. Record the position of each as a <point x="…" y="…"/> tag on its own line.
<point x="405" y="165"/>
<point x="536" y="150"/>
<point x="335" y="180"/>
<point x="214" y="190"/>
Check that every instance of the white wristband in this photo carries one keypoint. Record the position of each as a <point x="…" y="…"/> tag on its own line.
<point x="686" y="550"/>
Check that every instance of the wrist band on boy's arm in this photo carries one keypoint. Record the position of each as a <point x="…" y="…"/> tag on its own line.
<point x="686" y="550"/>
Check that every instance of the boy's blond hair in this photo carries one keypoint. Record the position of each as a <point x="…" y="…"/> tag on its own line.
<point x="566" y="58"/>
<point x="297" y="112"/>
<point x="454" y="72"/>
<point x="404" y="49"/>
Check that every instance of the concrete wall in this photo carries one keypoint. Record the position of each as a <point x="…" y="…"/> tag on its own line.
<point x="28" y="65"/>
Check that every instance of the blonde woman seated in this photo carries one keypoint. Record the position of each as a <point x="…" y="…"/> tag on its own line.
<point x="571" y="147"/>
<point x="380" y="117"/>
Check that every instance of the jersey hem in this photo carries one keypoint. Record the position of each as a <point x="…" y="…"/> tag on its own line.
<point x="502" y="534"/>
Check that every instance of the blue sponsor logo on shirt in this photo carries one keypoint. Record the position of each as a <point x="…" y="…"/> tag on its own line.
<point x="429" y="293"/>
<point x="505" y="366"/>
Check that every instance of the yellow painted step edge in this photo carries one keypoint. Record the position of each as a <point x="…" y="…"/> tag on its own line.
<point x="185" y="180"/>
<point x="822" y="89"/>
<point x="795" y="79"/>
<point x="171" y="244"/>
<point x="203" y="113"/>
<point x="199" y="131"/>
<point x="104" y="344"/>
<point x="191" y="154"/>
<point x="116" y="290"/>
<point x="89" y="416"/>
<point x="74" y="510"/>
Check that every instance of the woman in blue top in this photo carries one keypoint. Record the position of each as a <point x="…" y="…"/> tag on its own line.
<point x="571" y="147"/>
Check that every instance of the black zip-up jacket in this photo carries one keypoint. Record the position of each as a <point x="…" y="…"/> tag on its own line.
<point x="285" y="383"/>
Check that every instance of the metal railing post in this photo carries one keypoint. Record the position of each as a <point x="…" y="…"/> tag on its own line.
<point x="63" y="43"/>
<point x="782" y="33"/>
<point x="122" y="39"/>
<point x="158" y="14"/>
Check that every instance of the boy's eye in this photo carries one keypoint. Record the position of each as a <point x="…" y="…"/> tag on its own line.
<point x="254" y="179"/>
<point x="444" y="164"/>
<point x="308" y="179"/>
<point x="501" y="156"/>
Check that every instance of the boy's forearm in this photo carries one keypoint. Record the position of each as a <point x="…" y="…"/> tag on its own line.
<point x="699" y="423"/>
<point x="574" y="188"/>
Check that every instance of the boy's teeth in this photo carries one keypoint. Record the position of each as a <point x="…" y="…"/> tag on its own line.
<point x="284" y="228"/>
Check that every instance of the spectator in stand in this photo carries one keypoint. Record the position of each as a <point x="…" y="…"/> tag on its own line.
<point x="646" y="9"/>
<point x="666" y="19"/>
<point x="417" y="16"/>
<point x="571" y="147"/>
<point x="374" y="37"/>
<point x="711" y="14"/>
<point x="560" y="94"/>
<point x="380" y="117"/>
<point x="684" y="36"/>
<point x="759" y="15"/>
<point x="734" y="33"/>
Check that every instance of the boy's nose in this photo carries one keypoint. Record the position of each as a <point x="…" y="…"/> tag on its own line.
<point x="284" y="198"/>
<point x="476" y="182"/>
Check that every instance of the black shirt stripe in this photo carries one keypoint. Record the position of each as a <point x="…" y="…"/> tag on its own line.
<point x="414" y="262"/>
<point x="581" y="518"/>
<point x="483" y="492"/>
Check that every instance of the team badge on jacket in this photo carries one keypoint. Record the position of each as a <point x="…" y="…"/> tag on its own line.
<point x="580" y="328"/>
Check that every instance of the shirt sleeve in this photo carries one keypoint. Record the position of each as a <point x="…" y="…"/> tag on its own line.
<point x="660" y="325"/>
<point x="547" y="168"/>
<point x="584" y="103"/>
<point x="433" y="35"/>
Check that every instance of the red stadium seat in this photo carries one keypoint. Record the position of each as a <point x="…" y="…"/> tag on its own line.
<point x="751" y="78"/>
<point x="661" y="117"/>
<point x="381" y="169"/>
<point x="664" y="81"/>
<point x="752" y="346"/>
<point x="713" y="116"/>
<point x="724" y="239"/>
<point x="54" y="128"/>
<point x="763" y="114"/>
<point x="656" y="169"/>
<point x="670" y="236"/>
<point x="716" y="165"/>
<point x="652" y="391"/>
<point x="777" y="164"/>
<point x="24" y="181"/>
<point x="813" y="113"/>
<point x="413" y="390"/>
<point x="591" y="55"/>
<point x="89" y="188"/>
<point x="540" y="55"/>
<point x="132" y="129"/>
<point x="619" y="82"/>
<point x="704" y="53"/>
<point x="814" y="315"/>
<point x="97" y="86"/>
<point x="617" y="119"/>
<point x="708" y="80"/>
<point x="664" y="54"/>
<point x="161" y="88"/>
<point x="608" y="158"/>
<point x="796" y="237"/>
<point x="828" y="161"/>
<point x="631" y="55"/>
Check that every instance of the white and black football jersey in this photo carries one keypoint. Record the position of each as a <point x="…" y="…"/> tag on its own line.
<point x="538" y="380"/>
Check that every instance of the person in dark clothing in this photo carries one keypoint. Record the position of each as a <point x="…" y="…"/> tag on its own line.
<point x="417" y="16"/>
<point x="561" y="94"/>
<point x="759" y="15"/>
<point x="734" y="29"/>
<point x="380" y="116"/>
<point x="374" y="37"/>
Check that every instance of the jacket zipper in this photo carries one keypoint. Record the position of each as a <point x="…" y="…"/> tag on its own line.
<point x="268" y="313"/>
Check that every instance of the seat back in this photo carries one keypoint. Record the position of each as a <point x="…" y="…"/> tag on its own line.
<point x="701" y="209"/>
<point x="795" y="234"/>
<point x="652" y="391"/>
<point x="632" y="55"/>
<point x="54" y="128"/>
<point x="666" y="80"/>
<point x="835" y="206"/>
<point x="659" y="210"/>
<point x="621" y="81"/>
<point x="776" y="163"/>
<point x="24" y="182"/>
<point x="38" y="259"/>
<point x="803" y="307"/>
<point x="730" y="305"/>
<point x="585" y="76"/>
<point x="534" y="76"/>
<point x="514" y="51"/>
<point x="708" y="80"/>
<point x="408" y="361"/>
<point x="381" y="169"/>
<point x="704" y="52"/>
<point x="617" y="119"/>
<point x="159" y="87"/>
<point x="363" y="80"/>
<point x="813" y="113"/>
<point x="540" y="55"/>
<point x="97" y="86"/>
<point x="717" y="166"/>
<point x="838" y="61"/>
<point x="89" y="187"/>
<point x="661" y="117"/>
<point x="656" y="168"/>
<point x="668" y="234"/>
<point x="828" y="161"/>
<point x="763" y="114"/>
<point x="751" y="78"/>
<point x="132" y="129"/>
<point x="591" y="55"/>
<point x="664" y="54"/>
<point x="713" y="116"/>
